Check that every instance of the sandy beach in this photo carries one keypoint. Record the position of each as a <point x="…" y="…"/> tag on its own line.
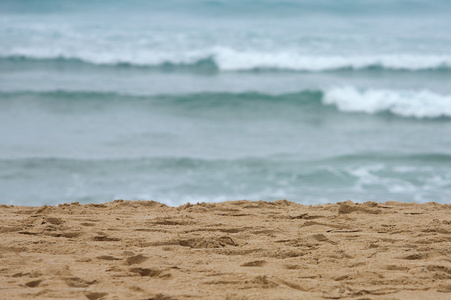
<point x="229" y="250"/>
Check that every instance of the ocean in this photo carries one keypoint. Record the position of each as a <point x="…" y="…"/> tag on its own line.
<point x="204" y="101"/>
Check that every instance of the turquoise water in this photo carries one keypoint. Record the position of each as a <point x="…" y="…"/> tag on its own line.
<point x="191" y="101"/>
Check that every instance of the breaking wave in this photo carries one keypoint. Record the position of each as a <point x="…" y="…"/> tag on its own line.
<point x="418" y="104"/>
<point x="422" y="104"/>
<point x="229" y="60"/>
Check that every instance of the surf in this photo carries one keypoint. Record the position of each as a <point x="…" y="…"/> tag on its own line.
<point x="417" y="104"/>
<point x="229" y="60"/>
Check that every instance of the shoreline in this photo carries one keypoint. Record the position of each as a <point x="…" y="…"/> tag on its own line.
<point x="227" y="250"/>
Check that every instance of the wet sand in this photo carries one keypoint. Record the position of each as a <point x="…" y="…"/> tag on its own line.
<point x="230" y="250"/>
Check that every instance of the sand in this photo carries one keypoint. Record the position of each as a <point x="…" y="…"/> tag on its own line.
<point x="230" y="250"/>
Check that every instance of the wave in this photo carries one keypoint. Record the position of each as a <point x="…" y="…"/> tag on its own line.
<point x="221" y="59"/>
<point x="179" y="163"/>
<point x="421" y="104"/>
<point x="389" y="158"/>
<point x="420" y="177"/>
<point x="205" y="99"/>
<point x="230" y="60"/>
<point x="418" y="104"/>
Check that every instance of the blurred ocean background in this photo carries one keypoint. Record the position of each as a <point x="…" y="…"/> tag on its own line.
<point x="181" y="101"/>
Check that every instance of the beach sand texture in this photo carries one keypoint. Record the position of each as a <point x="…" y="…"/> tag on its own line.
<point x="230" y="250"/>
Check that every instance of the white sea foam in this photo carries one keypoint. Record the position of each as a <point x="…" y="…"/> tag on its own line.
<point x="228" y="59"/>
<point x="367" y="177"/>
<point x="418" y="104"/>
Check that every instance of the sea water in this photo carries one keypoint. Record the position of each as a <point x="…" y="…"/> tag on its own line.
<point x="195" y="100"/>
